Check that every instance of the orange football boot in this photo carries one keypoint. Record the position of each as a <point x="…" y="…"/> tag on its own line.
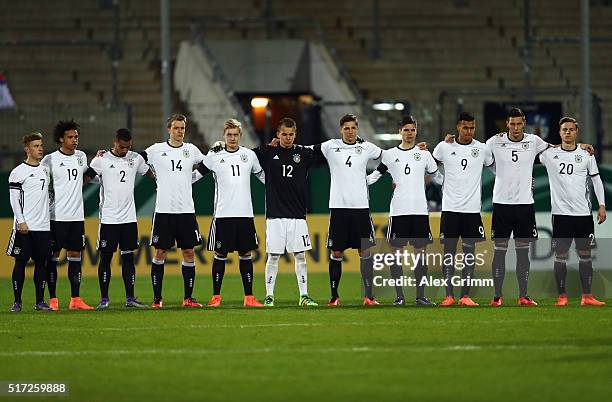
<point x="76" y="303"/>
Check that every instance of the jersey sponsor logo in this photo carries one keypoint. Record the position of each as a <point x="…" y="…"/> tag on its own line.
<point x="131" y="163"/>
<point x="31" y="174"/>
<point x="186" y="153"/>
<point x="244" y="158"/>
<point x="337" y="150"/>
<point x="62" y="164"/>
<point x="276" y="157"/>
<point x="164" y="154"/>
<point x="112" y="167"/>
<point x="358" y="150"/>
<point x="297" y="158"/>
<point x="222" y="161"/>
<point x="525" y="145"/>
<point x="578" y="158"/>
<point x="556" y="157"/>
<point x="417" y="156"/>
<point x="397" y="160"/>
<point x="475" y="153"/>
<point x="503" y="145"/>
<point x="453" y="153"/>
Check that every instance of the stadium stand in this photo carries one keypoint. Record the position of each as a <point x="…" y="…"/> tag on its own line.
<point x="429" y="51"/>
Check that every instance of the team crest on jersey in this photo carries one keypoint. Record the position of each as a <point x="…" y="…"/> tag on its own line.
<point x="131" y="163"/>
<point x="578" y="158"/>
<point x="442" y="236"/>
<point x="155" y="239"/>
<point x="525" y="145"/>
<point x="358" y="150"/>
<point x="244" y="158"/>
<point x="186" y="153"/>
<point x="475" y="153"/>
<point x="417" y="156"/>
<point x="17" y="250"/>
<point x="103" y="243"/>
<point x="80" y="161"/>
<point x="297" y="158"/>
<point x="218" y="244"/>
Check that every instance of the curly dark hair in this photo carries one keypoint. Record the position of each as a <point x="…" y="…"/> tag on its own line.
<point x="61" y="127"/>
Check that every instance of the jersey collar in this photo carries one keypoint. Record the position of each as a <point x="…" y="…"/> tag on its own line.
<point x="26" y="163"/>
<point x="570" y="150"/>
<point x="231" y="152"/>
<point x="63" y="153"/>
<point x="469" y="143"/>
<point x="406" y="149"/>
<point x="172" y="146"/>
<point x="511" y="140"/>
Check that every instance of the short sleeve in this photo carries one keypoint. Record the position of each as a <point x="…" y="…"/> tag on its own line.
<point x="96" y="165"/>
<point x="143" y="168"/>
<point x="256" y="166"/>
<point x="438" y="152"/>
<point x="325" y="147"/>
<point x="432" y="166"/>
<point x="198" y="156"/>
<point x="488" y="159"/>
<point x="207" y="160"/>
<point x="541" y="145"/>
<point x="592" y="168"/>
<point x="375" y="151"/>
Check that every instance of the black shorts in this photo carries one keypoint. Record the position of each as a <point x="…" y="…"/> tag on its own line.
<point x="568" y="228"/>
<point x="124" y="235"/>
<point x="467" y="226"/>
<point x="518" y="220"/>
<point x="350" y="228"/>
<point x="34" y="244"/>
<point x="68" y="235"/>
<point x="232" y="234"/>
<point x="413" y="229"/>
<point x="168" y="228"/>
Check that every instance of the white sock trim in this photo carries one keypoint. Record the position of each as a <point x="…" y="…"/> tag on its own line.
<point x="188" y="264"/>
<point x="159" y="262"/>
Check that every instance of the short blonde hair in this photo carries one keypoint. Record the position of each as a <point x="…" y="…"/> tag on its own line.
<point x="232" y="123"/>
<point x="31" y="137"/>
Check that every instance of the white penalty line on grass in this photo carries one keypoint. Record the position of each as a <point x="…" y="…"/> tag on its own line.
<point x="355" y="349"/>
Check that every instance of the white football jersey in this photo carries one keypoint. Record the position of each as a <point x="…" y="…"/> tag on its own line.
<point x="347" y="167"/>
<point x="408" y="168"/>
<point x="514" y="167"/>
<point x="67" y="175"/>
<point x="232" y="172"/>
<point x="117" y="178"/>
<point x="463" y="164"/>
<point x="33" y="185"/>
<point x="568" y="174"/>
<point x="173" y="167"/>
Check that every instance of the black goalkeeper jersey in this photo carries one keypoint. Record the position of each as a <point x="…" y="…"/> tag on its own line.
<point x="286" y="179"/>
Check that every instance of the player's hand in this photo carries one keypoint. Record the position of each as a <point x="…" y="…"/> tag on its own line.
<point x="422" y="146"/>
<point x="601" y="214"/>
<point x="588" y="147"/>
<point x="218" y="146"/>
<point x="274" y="142"/>
<point x="100" y="153"/>
<point x="23" y="227"/>
<point x="449" y="138"/>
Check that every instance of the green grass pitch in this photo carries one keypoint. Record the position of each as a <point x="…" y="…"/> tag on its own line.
<point x="289" y="353"/>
